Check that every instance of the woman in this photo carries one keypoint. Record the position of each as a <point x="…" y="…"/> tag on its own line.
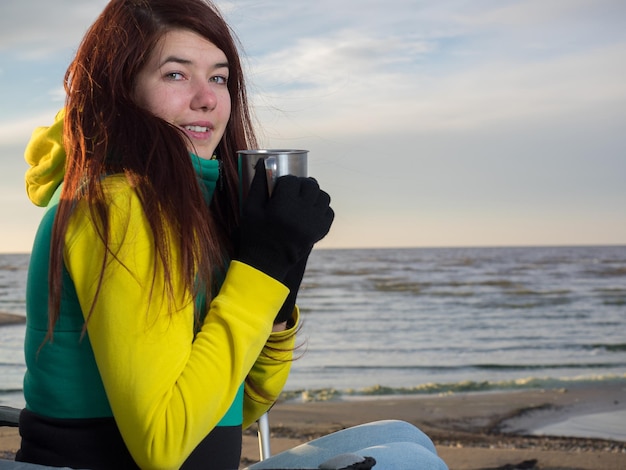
<point x="160" y="321"/>
<point x="145" y="346"/>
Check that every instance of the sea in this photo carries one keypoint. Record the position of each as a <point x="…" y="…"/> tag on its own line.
<point x="429" y="321"/>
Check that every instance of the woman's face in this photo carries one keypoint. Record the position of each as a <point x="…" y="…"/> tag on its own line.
<point x="184" y="82"/>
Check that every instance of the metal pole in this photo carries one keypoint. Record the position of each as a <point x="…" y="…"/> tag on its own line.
<point x="264" y="436"/>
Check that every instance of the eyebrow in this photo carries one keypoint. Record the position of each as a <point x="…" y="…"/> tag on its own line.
<point x="179" y="60"/>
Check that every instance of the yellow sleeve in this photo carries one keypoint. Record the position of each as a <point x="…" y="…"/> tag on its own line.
<point x="167" y="390"/>
<point x="270" y="371"/>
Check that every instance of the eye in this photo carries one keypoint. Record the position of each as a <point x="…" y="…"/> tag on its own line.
<point x="174" y="76"/>
<point x="219" y="79"/>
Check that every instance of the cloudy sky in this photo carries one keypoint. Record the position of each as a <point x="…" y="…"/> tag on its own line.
<point x="430" y="122"/>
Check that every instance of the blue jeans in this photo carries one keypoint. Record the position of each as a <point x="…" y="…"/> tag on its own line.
<point x="396" y="445"/>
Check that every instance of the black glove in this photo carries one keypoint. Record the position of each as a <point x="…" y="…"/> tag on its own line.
<point x="293" y="279"/>
<point x="276" y="232"/>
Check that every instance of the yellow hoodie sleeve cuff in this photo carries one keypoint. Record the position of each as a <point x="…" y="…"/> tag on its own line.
<point x="270" y="372"/>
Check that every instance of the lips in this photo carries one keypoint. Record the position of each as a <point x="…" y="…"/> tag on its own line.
<point x="199" y="130"/>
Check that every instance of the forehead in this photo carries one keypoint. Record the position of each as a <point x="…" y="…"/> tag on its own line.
<point x="183" y="43"/>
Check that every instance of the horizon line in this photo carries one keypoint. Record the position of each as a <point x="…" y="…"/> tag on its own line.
<point x="431" y="247"/>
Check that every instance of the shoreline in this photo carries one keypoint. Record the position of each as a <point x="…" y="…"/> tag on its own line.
<point x="473" y="430"/>
<point x="11" y="319"/>
<point x="489" y="430"/>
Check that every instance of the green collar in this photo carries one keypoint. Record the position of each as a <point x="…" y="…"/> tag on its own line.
<point x="208" y="172"/>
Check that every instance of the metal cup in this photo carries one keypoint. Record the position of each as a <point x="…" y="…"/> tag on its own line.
<point x="277" y="163"/>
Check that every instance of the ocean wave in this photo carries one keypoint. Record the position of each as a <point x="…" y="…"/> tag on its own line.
<point x="492" y="294"/>
<point x="428" y="287"/>
<point x="620" y="347"/>
<point x="612" y="271"/>
<point x="539" y="302"/>
<point x="328" y="394"/>
<point x="576" y="365"/>
<point x="469" y="367"/>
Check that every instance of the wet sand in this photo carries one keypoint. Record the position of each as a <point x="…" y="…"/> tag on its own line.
<point x="495" y="430"/>
<point x="11" y="319"/>
<point x="498" y="430"/>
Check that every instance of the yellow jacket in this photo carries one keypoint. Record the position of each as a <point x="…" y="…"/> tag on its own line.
<point x="167" y="387"/>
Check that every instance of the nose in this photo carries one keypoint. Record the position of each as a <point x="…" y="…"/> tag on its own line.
<point x="204" y="97"/>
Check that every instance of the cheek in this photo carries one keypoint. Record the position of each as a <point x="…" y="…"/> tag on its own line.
<point x="141" y="95"/>
<point x="225" y="108"/>
<point x="160" y="101"/>
<point x="227" y="111"/>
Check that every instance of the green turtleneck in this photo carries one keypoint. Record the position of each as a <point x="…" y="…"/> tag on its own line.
<point x="208" y="172"/>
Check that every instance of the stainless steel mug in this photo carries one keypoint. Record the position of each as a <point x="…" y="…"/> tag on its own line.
<point x="277" y="163"/>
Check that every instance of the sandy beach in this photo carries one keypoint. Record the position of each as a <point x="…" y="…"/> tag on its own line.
<point x="581" y="427"/>
<point x="476" y="431"/>
<point x="471" y="431"/>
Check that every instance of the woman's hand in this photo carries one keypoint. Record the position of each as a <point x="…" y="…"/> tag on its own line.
<point x="277" y="232"/>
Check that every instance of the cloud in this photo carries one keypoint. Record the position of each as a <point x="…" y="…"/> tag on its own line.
<point x="351" y="84"/>
<point x="18" y="132"/>
<point x="36" y="29"/>
<point x="530" y="13"/>
<point x="430" y="65"/>
<point x="455" y="122"/>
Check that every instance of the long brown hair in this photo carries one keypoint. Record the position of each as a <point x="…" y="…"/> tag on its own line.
<point x="105" y="132"/>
